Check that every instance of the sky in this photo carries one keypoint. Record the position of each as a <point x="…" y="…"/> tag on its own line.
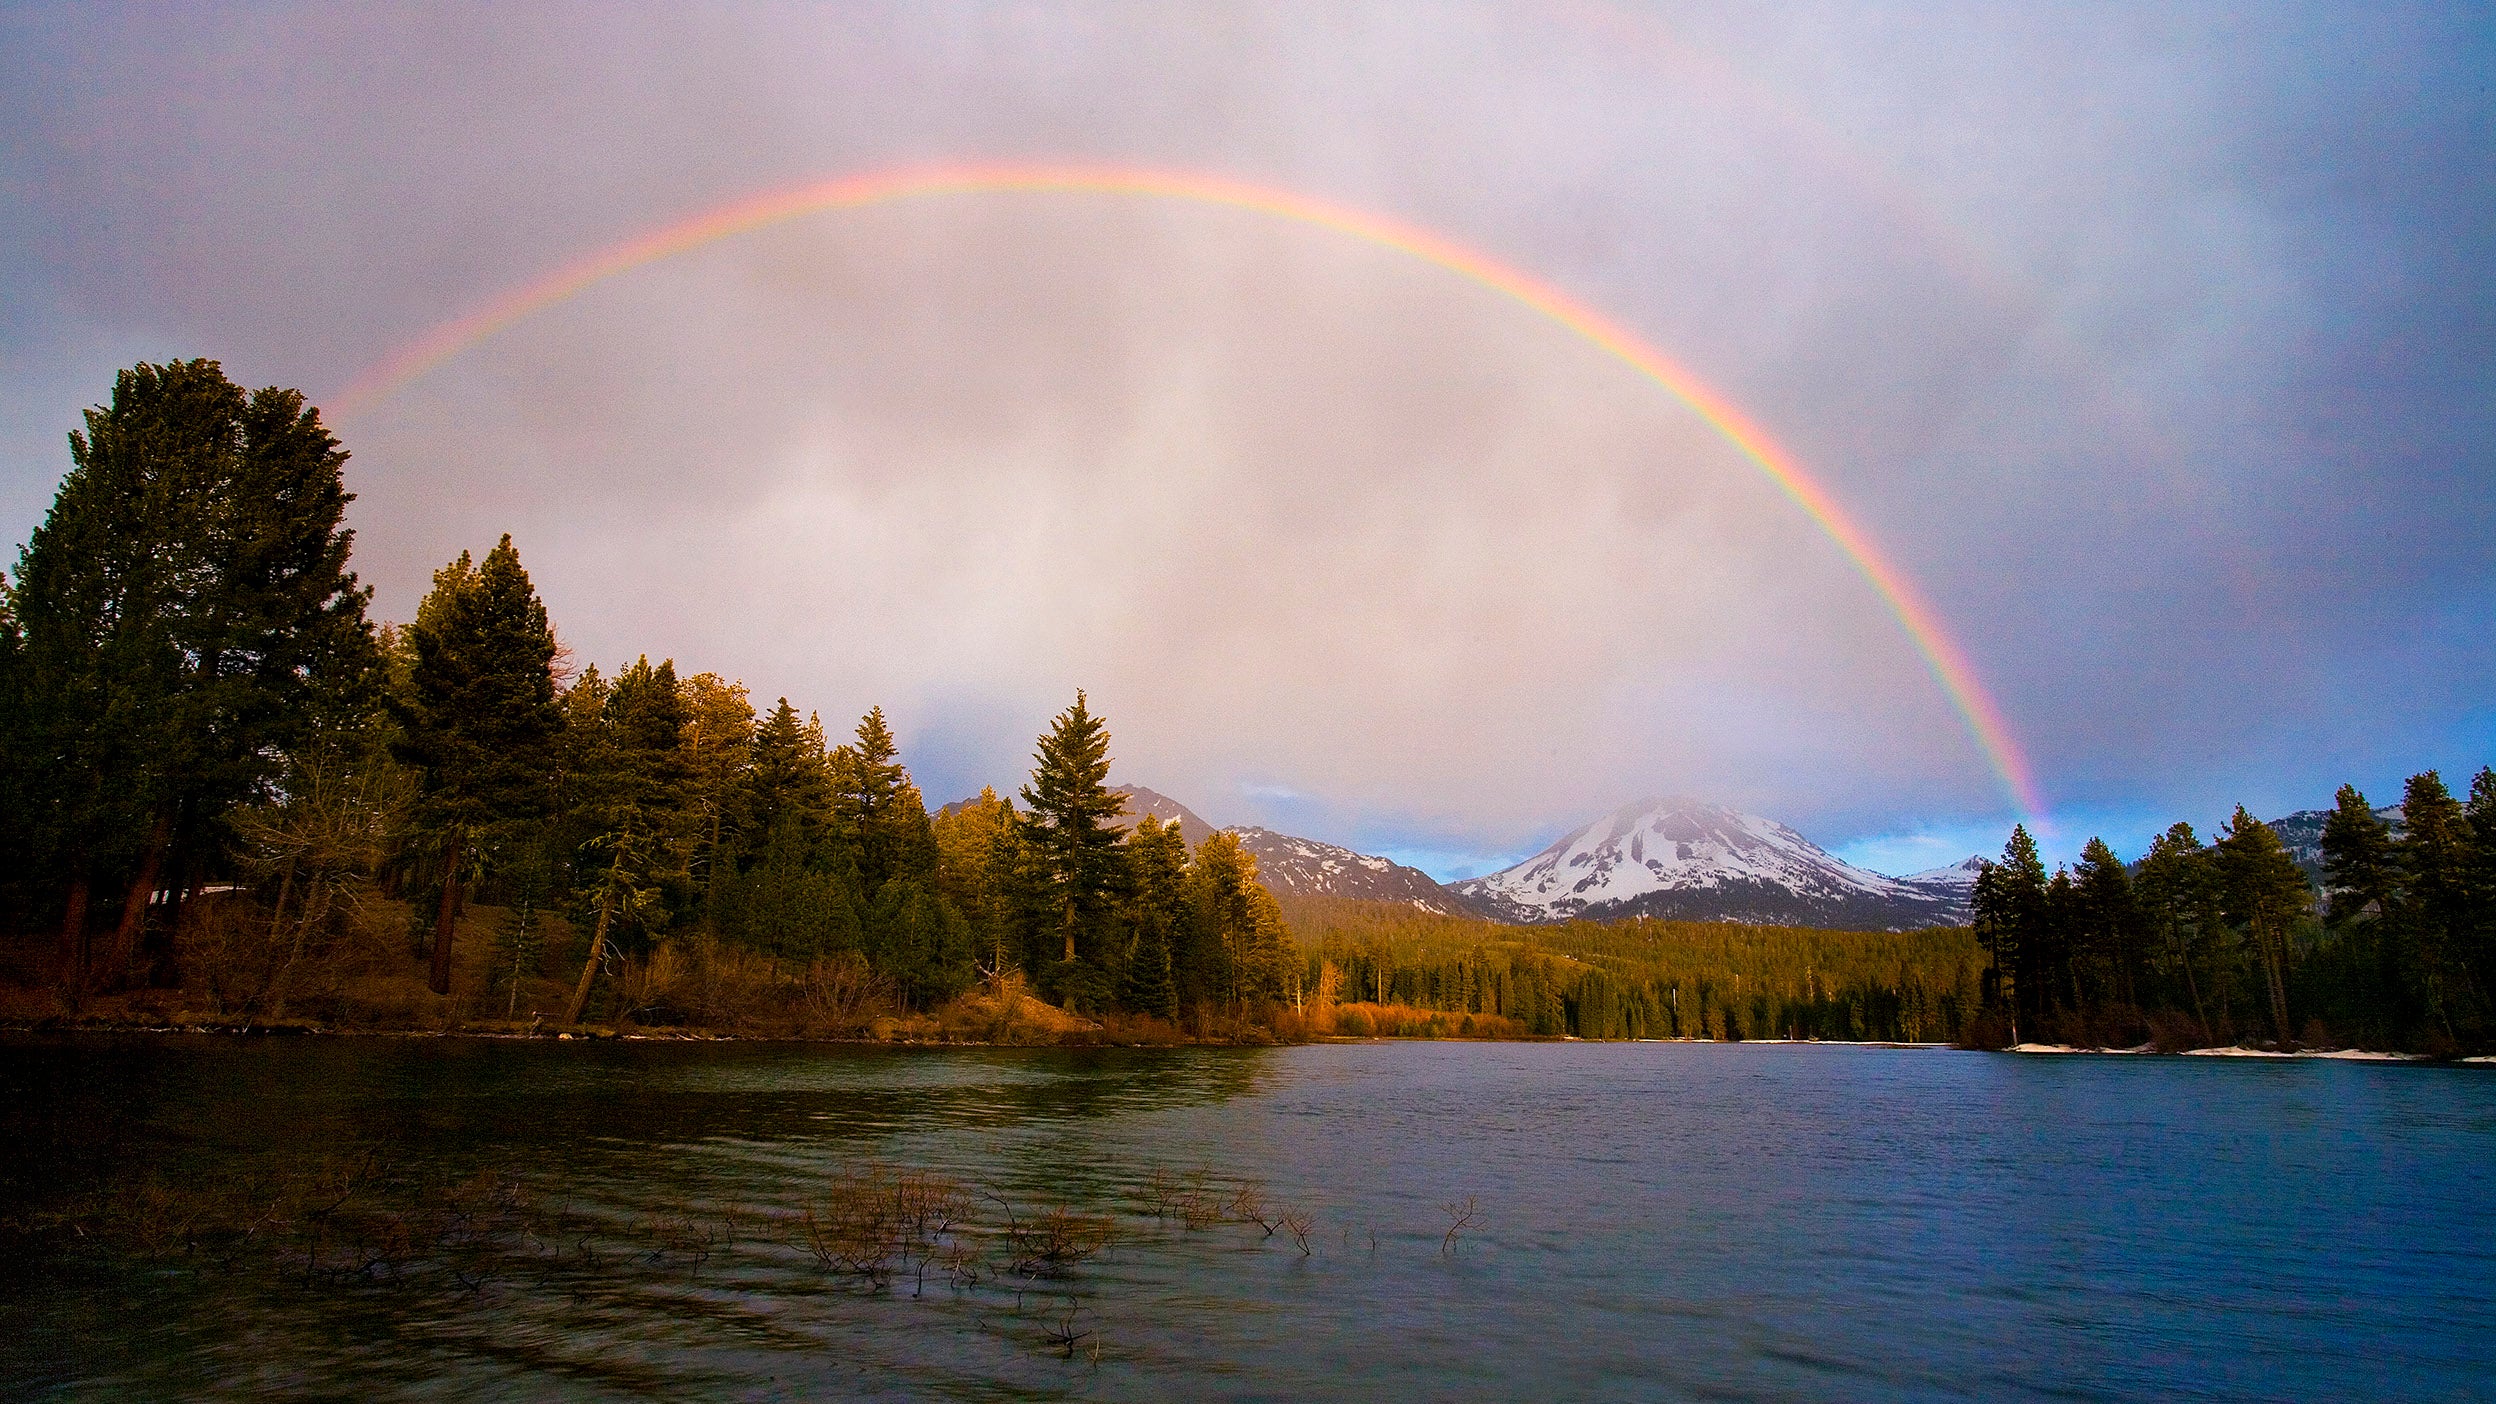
<point x="2153" y="347"/>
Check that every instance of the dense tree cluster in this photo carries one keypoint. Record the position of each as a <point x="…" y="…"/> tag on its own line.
<point x="192" y="698"/>
<point x="2395" y="947"/>
<point x="1640" y="978"/>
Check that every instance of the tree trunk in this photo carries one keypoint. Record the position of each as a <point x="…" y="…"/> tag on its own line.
<point x="2184" y="962"/>
<point x="74" y="929"/>
<point x="157" y="941"/>
<point x="589" y="967"/>
<point x="2276" y="956"/>
<point x="448" y="917"/>
<point x="115" y="967"/>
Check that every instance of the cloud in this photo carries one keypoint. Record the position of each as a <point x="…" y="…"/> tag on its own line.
<point x="2153" y="343"/>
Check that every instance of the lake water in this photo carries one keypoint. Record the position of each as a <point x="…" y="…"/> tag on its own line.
<point x="1650" y="1221"/>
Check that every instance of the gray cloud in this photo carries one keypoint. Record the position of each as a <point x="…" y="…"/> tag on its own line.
<point x="2154" y="343"/>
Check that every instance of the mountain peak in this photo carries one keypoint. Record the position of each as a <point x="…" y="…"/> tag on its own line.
<point x="1138" y="802"/>
<point x="1693" y="859"/>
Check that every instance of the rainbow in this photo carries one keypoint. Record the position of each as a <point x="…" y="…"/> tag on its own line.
<point x="1915" y="615"/>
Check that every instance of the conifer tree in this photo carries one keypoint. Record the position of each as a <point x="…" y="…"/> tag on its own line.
<point x="2433" y="863"/>
<point x="2055" y="935"/>
<point x="182" y="612"/>
<point x="2357" y="859"/>
<point x="2479" y="885"/>
<point x="479" y="716"/>
<point x="632" y="792"/>
<point x="787" y="780"/>
<point x="2009" y="910"/>
<point x="1239" y="930"/>
<point x="2178" y="897"/>
<point x="2265" y="892"/>
<point x="978" y="853"/>
<point x="877" y="811"/>
<point x="2109" y="919"/>
<point x="1157" y="918"/>
<point x="718" y="746"/>
<point x="1073" y="825"/>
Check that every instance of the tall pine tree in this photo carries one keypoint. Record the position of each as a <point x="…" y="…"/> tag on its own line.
<point x="1072" y="827"/>
<point x="633" y="800"/>
<point x="478" y="717"/>
<point x="2265" y="893"/>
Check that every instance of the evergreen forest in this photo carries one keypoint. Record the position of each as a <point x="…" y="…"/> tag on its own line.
<point x="2390" y="944"/>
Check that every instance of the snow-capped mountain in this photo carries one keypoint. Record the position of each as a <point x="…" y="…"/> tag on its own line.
<point x="1307" y="868"/>
<point x="1691" y="860"/>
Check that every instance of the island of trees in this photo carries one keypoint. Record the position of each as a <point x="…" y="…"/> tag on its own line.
<point x="228" y="795"/>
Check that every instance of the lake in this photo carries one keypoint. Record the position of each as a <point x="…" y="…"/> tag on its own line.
<point x="1465" y="1221"/>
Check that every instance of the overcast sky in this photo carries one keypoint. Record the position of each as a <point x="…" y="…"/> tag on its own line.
<point x="2156" y="345"/>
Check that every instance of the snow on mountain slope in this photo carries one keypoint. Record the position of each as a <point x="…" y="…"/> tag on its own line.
<point x="1958" y="879"/>
<point x="1690" y="860"/>
<point x="1305" y="867"/>
<point x="2301" y="834"/>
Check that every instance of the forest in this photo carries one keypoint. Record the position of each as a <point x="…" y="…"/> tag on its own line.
<point x="2229" y="942"/>
<point x="228" y="795"/>
<point x="1638" y="978"/>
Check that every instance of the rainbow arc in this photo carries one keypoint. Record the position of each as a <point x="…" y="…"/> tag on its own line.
<point x="1916" y="616"/>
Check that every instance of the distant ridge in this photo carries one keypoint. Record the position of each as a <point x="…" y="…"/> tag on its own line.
<point x="1299" y="867"/>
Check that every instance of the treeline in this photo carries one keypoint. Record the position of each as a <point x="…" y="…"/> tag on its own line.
<point x="1646" y="979"/>
<point x="194" y="704"/>
<point x="2200" y="944"/>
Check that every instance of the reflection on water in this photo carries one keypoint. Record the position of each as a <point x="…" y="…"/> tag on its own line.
<point x="630" y="1220"/>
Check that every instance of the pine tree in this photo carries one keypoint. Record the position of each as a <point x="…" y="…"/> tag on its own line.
<point x="479" y="716"/>
<point x="631" y="787"/>
<point x="2432" y="856"/>
<point x="1157" y="918"/>
<point x="1238" y="929"/>
<point x="2479" y="884"/>
<point x="787" y="780"/>
<point x="787" y="905"/>
<point x="183" y="612"/>
<point x="1073" y="825"/>
<point x="2178" y="898"/>
<point x="2265" y="892"/>
<point x="2109" y="920"/>
<point x="2009" y="917"/>
<point x="876" y="811"/>
<point x="2357" y="860"/>
<point x="717" y="748"/>
<point x="978" y="852"/>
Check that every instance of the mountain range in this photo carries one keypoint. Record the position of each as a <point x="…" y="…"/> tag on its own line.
<point x="1684" y="859"/>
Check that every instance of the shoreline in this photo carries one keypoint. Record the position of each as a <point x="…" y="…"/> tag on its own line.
<point x="606" y="1034"/>
<point x="2340" y="1055"/>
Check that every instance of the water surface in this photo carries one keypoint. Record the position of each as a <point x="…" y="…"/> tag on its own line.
<point x="1650" y="1221"/>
